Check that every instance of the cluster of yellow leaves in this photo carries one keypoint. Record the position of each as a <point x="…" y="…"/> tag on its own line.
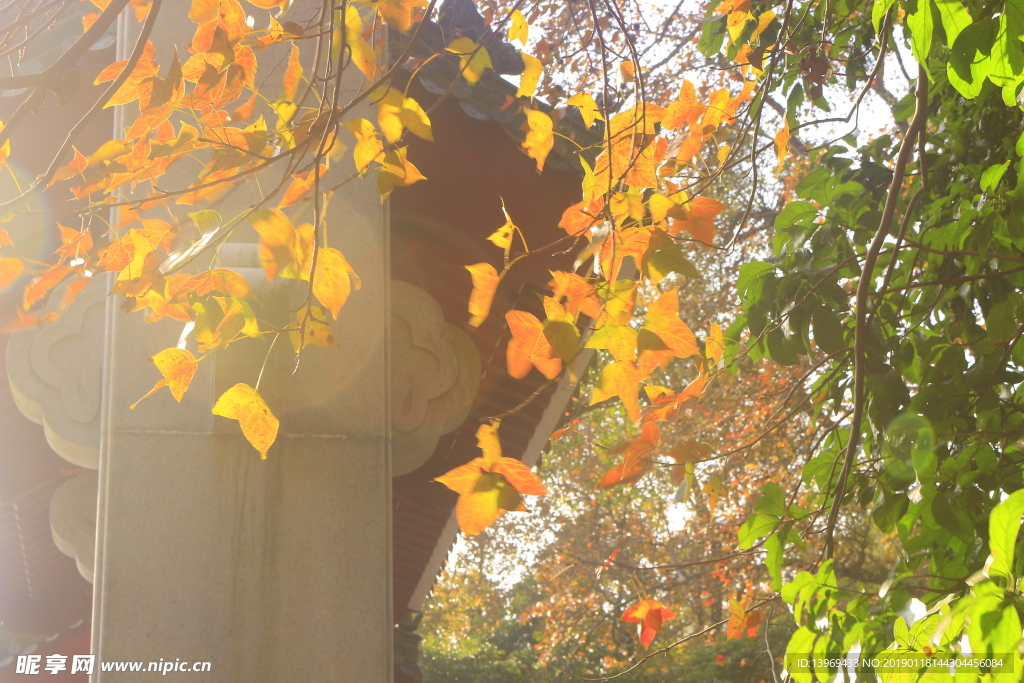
<point x="490" y="485"/>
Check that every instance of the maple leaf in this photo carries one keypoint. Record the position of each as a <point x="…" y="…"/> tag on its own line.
<point x="502" y="237"/>
<point x="663" y="321"/>
<point x="74" y="244"/>
<point x="740" y="621"/>
<point x="580" y="295"/>
<point x="243" y="403"/>
<point x="489" y="486"/>
<point x="529" y="347"/>
<point x="178" y="366"/>
<point x="485" y="283"/>
<point x="622" y="379"/>
<point x="620" y="340"/>
<point x="75" y="167"/>
<point x="300" y="185"/>
<point x="220" y="280"/>
<point x="40" y="286"/>
<point x="333" y="279"/>
<point x="648" y="615"/>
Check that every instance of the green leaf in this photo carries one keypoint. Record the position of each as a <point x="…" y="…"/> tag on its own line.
<point x="921" y="24"/>
<point x="773" y="500"/>
<point x="1003" y="527"/>
<point x="969" y="62"/>
<point x="828" y="330"/>
<point x="1001" y="323"/>
<point x="206" y="220"/>
<point x="757" y="526"/>
<point x="992" y="175"/>
<point x="954" y="18"/>
<point x="878" y="10"/>
<point x="563" y="337"/>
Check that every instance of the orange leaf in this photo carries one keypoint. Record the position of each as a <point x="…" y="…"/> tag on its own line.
<point x="529" y="347"/>
<point x="77" y="165"/>
<point x="300" y="185"/>
<point x="243" y="403"/>
<point x="10" y="269"/>
<point x="782" y="144"/>
<point x="218" y="280"/>
<point x="293" y="74"/>
<point x="580" y="295"/>
<point x="521" y="477"/>
<point x="5" y="239"/>
<point x="485" y="283"/>
<point x="332" y="280"/>
<point x="714" y="347"/>
<point x="397" y="171"/>
<point x="178" y="366"/>
<point x="463" y="479"/>
<point x="40" y="286"/>
<point x="663" y="320"/>
<point x="74" y="244"/>
<point x="398" y="13"/>
<point x="648" y="615"/>
<point x="478" y="509"/>
<point x="741" y="621"/>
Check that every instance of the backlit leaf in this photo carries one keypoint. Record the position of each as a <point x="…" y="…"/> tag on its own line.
<point x="485" y="283"/>
<point x="584" y="101"/>
<point x="178" y="367"/>
<point x="530" y="77"/>
<point x="473" y="58"/>
<point x="663" y="320"/>
<point x="529" y="347"/>
<point x="648" y="615"/>
<point x="333" y="279"/>
<point x="539" y="136"/>
<point x="243" y="403"/>
<point x="518" y="28"/>
<point x="292" y="74"/>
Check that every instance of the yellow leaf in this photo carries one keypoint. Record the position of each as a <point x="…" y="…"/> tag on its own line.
<point x="331" y="280"/>
<point x="473" y="58"/>
<point x="714" y="490"/>
<point x="313" y="327"/>
<point x="368" y="148"/>
<point x="397" y="171"/>
<point x="243" y="403"/>
<point x="584" y="101"/>
<point x="487" y="440"/>
<point x="395" y="113"/>
<point x="530" y="76"/>
<point x="782" y="144"/>
<point x="398" y="13"/>
<point x="519" y="30"/>
<point x="715" y="345"/>
<point x="485" y="282"/>
<point x="178" y="366"/>
<point x="502" y="237"/>
<point x="627" y="71"/>
<point x="363" y="56"/>
<point x="539" y="136"/>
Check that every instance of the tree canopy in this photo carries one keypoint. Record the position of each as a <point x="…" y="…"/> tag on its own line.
<point x="805" y="333"/>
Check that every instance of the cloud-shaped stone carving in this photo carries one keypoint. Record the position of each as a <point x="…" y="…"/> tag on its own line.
<point x="435" y="374"/>
<point x="73" y="520"/>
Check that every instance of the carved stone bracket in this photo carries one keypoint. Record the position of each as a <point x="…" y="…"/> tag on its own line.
<point x="435" y="374"/>
<point x="56" y="374"/>
<point x="73" y="520"/>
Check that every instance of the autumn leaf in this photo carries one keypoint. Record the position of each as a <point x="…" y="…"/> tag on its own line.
<point x="529" y="347"/>
<point x="489" y="486"/>
<point x="5" y="239"/>
<point x="398" y="13"/>
<point x="333" y="279"/>
<point x="397" y="171"/>
<point x="714" y="489"/>
<point x="76" y="166"/>
<point x="243" y="403"/>
<point x="41" y="285"/>
<point x="530" y="77"/>
<point x="589" y="110"/>
<point x="686" y="453"/>
<point x="782" y="144"/>
<point x="220" y="280"/>
<point x="714" y="347"/>
<point x="10" y="269"/>
<point x="622" y="379"/>
<point x="74" y="244"/>
<point x="540" y="136"/>
<point x="580" y="295"/>
<point x="292" y="74"/>
<point x="502" y="237"/>
<point x="300" y="185"/>
<point x="740" y="621"/>
<point x="663" y="321"/>
<point x="369" y="147"/>
<point x="485" y="283"/>
<point x="396" y="112"/>
<point x="311" y="323"/>
<point x="473" y="58"/>
<point x="178" y="366"/>
<point x="648" y="615"/>
<point x="619" y="340"/>
<point x="518" y="28"/>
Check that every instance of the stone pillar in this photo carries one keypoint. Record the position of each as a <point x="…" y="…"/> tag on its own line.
<point x="275" y="570"/>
